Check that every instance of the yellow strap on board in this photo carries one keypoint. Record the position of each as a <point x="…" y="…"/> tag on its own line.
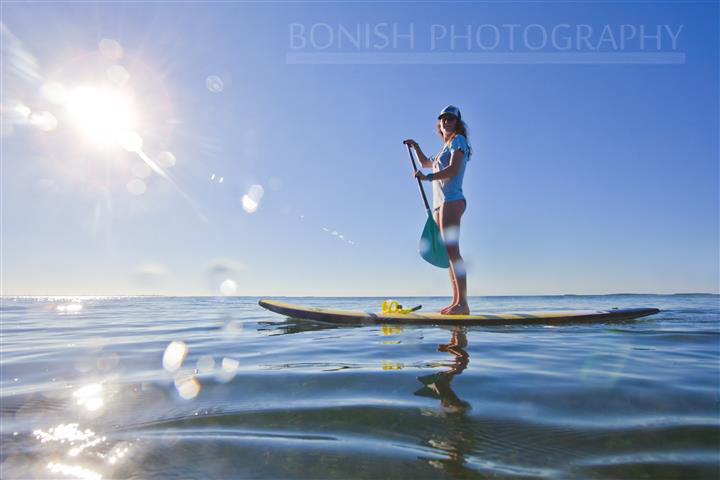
<point x="391" y="306"/>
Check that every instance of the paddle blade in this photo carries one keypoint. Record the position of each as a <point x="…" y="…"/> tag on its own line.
<point x="432" y="246"/>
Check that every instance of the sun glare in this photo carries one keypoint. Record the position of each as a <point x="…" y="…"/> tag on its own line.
<point x="104" y="116"/>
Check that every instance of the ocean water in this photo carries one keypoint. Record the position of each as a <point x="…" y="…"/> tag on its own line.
<point x="207" y="387"/>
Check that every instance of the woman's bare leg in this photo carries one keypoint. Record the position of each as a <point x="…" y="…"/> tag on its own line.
<point x="450" y="215"/>
<point x="438" y="220"/>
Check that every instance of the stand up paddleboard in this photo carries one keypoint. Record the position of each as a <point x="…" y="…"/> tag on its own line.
<point x="346" y="317"/>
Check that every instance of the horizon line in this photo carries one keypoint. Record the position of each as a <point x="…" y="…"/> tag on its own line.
<point x="356" y="296"/>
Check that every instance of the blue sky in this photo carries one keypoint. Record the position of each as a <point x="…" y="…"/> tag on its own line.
<point x="586" y="179"/>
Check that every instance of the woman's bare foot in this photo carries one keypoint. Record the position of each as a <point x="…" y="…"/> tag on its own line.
<point x="457" y="309"/>
<point x="446" y="309"/>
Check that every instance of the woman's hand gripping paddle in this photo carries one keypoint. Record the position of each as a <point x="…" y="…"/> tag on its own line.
<point x="432" y="246"/>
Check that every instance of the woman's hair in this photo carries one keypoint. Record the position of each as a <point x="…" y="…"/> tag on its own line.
<point x="460" y="129"/>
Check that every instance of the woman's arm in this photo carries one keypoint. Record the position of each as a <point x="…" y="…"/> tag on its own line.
<point x="456" y="160"/>
<point x="421" y="156"/>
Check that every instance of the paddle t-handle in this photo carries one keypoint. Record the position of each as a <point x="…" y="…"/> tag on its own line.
<point x="422" y="190"/>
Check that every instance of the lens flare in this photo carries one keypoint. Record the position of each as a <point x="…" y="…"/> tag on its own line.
<point x="228" y="287"/>
<point x="459" y="267"/>
<point x="110" y="49"/>
<point x="233" y="328"/>
<point x="206" y="363"/>
<point x="44" y="121"/>
<point x="230" y="365"/>
<point x="214" y="84"/>
<point x="188" y="388"/>
<point x="166" y="159"/>
<point x="451" y="235"/>
<point x="174" y="355"/>
<point x="118" y="75"/>
<point x="22" y="111"/>
<point x="251" y="200"/>
<point x="256" y="192"/>
<point x="249" y="205"/>
<point x="228" y="370"/>
<point x="425" y="246"/>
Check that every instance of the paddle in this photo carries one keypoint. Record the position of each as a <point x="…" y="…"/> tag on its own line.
<point x="432" y="246"/>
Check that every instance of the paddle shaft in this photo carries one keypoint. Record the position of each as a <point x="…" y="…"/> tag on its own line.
<point x="422" y="190"/>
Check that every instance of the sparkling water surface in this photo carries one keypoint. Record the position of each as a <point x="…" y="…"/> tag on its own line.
<point x="208" y="387"/>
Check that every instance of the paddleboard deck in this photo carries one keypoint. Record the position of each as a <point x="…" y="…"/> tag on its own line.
<point x="348" y="317"/>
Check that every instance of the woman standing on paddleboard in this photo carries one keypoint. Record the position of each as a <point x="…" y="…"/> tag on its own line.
<point x="448" y="170"/>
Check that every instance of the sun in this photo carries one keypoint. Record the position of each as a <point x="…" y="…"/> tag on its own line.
<point x="105" y="117"/>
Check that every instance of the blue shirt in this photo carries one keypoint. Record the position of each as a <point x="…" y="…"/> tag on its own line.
<point x="451" y="188"/>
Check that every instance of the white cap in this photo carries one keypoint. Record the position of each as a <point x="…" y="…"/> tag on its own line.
<point x="450" y="110"/>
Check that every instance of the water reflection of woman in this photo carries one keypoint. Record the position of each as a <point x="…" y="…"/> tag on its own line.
<point x="457" y="437"/>
<point x="437" y="385"/>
